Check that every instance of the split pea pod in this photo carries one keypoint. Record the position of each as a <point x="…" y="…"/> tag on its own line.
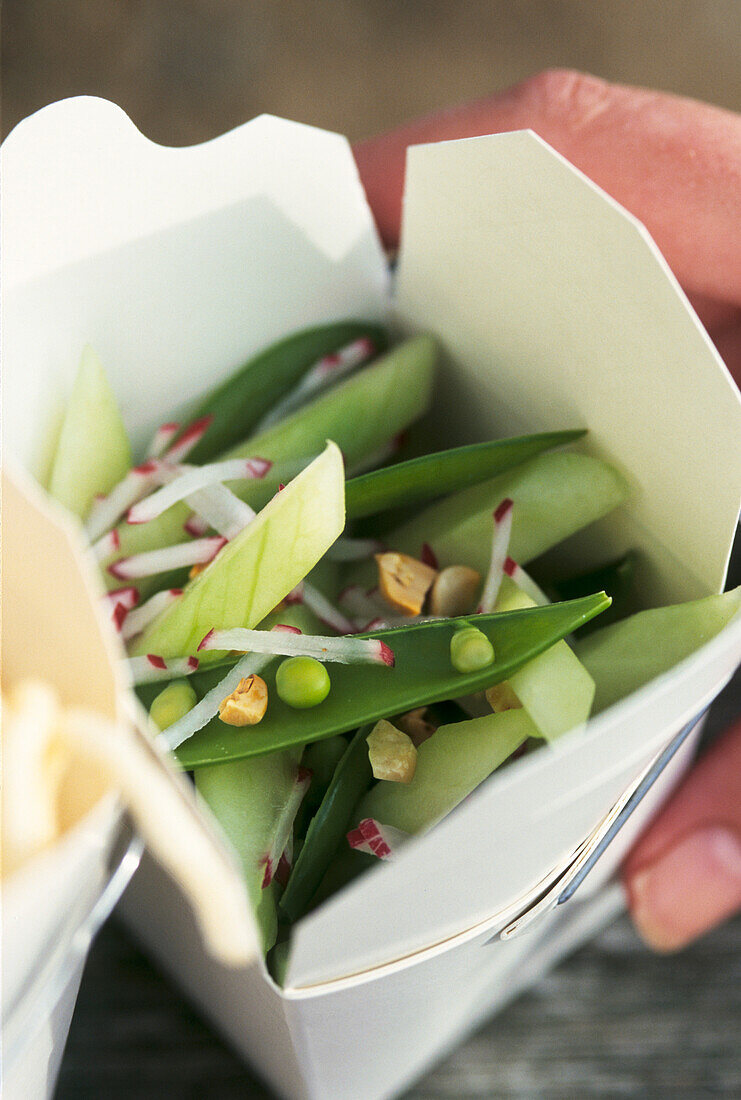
<point x="351" y="780"/>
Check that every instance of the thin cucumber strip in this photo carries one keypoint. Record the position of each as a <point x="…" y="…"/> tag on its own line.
<point x="554" y="495"/>
<point x="258" y="568"/>
<point x="246" y="798"/>
<point x="93" y="451"/>
<point x="243" y="399"/>
<point x="351" y="780"/>
<point x="451" y="764"/>
<point x="435" y="475"/>
<point x="555" y="688"/>
<point x="626" y="655"/>
<point x="423" y="674"/>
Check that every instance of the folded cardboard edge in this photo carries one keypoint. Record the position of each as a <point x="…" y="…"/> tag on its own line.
<point x="661" y="391"/>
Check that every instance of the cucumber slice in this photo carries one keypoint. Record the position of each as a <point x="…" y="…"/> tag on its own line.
<point x="246" y="798"/>
<point x="450" y="765"/>
<point x="555" y="688"/>
<point x="359" y="415"/>
<point x="626" y="655"/>
<point x="554" y="495"/>
<point x="93" y="452"/>
<point x="258" y="568"/>
<point x="238" y="404"/>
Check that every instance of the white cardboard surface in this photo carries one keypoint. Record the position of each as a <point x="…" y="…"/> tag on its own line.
<point x="178" y="264"/>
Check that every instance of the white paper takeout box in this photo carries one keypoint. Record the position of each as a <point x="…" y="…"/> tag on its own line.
<point x="52" y="905"/>
<point x="554" y="309"/>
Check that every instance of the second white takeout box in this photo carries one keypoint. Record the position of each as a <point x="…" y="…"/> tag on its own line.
<point x="553" y="309"/>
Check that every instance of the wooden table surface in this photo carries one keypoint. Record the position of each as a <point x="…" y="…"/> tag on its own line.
<point x="612" y="1021"/>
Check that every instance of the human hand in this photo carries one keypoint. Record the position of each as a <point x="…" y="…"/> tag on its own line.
<point x="676" y="165"/>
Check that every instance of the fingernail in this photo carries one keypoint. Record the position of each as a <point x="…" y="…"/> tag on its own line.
<point x="691" y="887"/>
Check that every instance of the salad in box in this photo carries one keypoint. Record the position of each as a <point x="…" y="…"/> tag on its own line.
<point x="402" y="659"/>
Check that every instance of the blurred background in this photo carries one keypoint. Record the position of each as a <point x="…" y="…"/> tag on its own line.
<point x="186" y="70"/>
<point x="614" y="1020"/>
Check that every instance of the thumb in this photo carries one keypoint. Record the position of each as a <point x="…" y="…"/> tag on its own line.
<point x="684" y="875"/>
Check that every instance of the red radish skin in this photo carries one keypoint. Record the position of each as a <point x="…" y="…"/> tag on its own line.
<point x="190" y="437"/>
<point x="162" y="439"/>
<point x="428" y="556"/>
<point x="376" y="839"/>
<point x="195" y="526"/>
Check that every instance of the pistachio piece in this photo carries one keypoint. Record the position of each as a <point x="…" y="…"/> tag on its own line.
<point x="392" y="754"/>
<point x="415" y="725"/>
<point x="404" y="581"/>
<point x="247" y="704"/>
<point x="502" y="697"/>
<point x="454" y="591"/>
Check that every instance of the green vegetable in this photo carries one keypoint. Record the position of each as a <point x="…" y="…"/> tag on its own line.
<point x="246" y="799"/>
<point x="555" y="689"/>
<point x="93" y="452"/>
<point x="422" y="674"/>
<point x="302" y="682"/>
<point x="328" y="826"/>
<point x="321" y="758"/>
<point x="359" y="415"/>
<point x="435" y="475"/>
<point x="260" y="566"/>
<point x="450" y="765"/>
<point x="240" y="402"/>
<point x="626" y="655"/>
<point x="470" y="650"/>
<point x="172" y="703"/>
<point x="554" y="495"/>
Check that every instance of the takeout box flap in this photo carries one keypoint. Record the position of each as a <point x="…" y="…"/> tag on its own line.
<point x="176" y="264"/>
<point x="555" y="308"/>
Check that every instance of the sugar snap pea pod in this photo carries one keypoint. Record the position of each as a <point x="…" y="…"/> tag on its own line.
<point x="616" y="579"/>
<point x="259" y="567"/>
<point x="351" y="780"/>
<point x="450" y="765"/>
<point x="422" y="674"/>
<point x="435" y="475"/>
<point x="626" y="655"/>
<point x="554" y="495"/>
<point x="240" y="402"/>
<point x="358" y="415"/>
<point x="247" y="798"/>
<point x="321" y="759"/>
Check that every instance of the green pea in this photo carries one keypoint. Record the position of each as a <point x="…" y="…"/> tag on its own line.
<point x="172" y="703"/>
<point x="302" y="682"/>
<point x="470" y="650"/>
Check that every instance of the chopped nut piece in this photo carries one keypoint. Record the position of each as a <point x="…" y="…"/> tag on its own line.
<point x="196" y="569"/>
<point x="502" y="697"/>
<point x="415" y="725"/>
<point x="392" y="754"/>
<point x="247" y="704"/>
<point x="454" y="591"/>
<point x="404" y="581"/>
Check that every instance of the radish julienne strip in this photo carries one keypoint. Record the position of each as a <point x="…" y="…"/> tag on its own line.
<point x="151" y="668"/>
<point x="194" y="481"/>
<point x="499" y="545"/>
<point x="345" y="650"/>
<point x="182" y="554"/>
<point x="141" y="617"/>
